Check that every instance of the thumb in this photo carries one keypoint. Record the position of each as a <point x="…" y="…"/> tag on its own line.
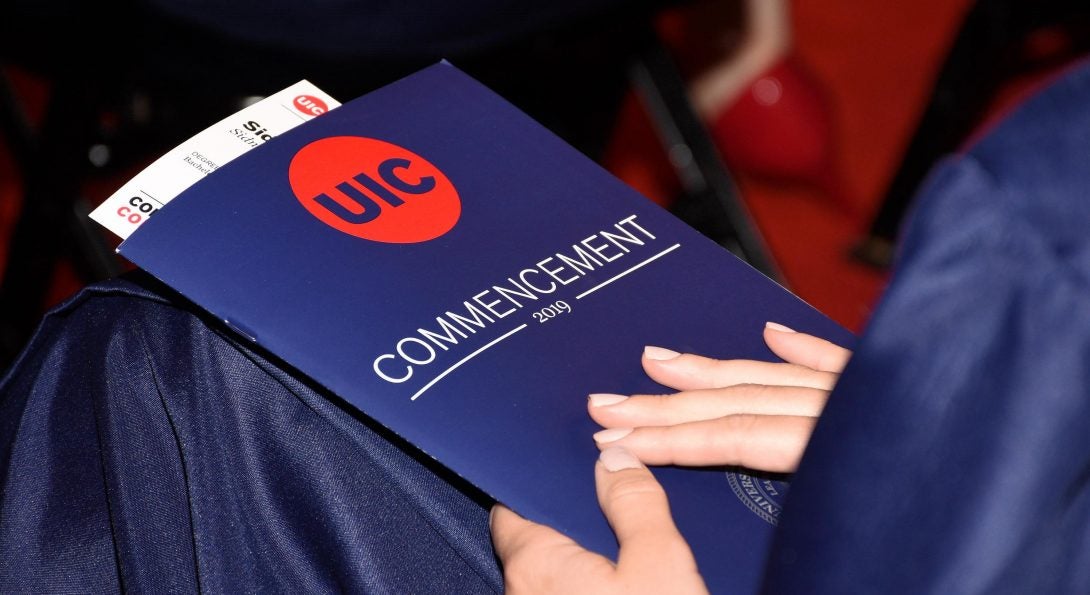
<point x="652" y="551"/>
<point x="538" y="559"/>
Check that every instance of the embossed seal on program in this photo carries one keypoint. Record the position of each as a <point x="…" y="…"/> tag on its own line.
<point x="761" y="495"/>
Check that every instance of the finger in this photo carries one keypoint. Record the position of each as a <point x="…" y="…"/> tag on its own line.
<point x="636" y="507"/>
<point x="766" y="442"/>
<point x="539" y="558"/>
<point x="613" y="411"/>
<point x="805" y="350"/>
<point x="688" y="371"/>
<point x="511" y="533"/>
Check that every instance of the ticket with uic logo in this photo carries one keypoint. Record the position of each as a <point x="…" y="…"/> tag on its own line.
<point x="166" y="178"/>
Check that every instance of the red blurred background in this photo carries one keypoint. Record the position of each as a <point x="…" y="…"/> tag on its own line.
<point x="875" y="63"/>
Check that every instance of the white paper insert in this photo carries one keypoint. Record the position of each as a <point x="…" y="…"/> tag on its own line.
<point x="181" y="167"/>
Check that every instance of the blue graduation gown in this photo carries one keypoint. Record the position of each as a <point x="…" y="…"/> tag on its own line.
<point x="954" y="454"/>
<point x="142" y="450"/>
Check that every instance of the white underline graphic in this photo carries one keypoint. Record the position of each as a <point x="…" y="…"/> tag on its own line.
<point x="466" y="359"/>
<point x="614" y="278"/>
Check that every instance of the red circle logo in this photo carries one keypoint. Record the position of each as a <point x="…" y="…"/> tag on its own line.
<point x="374" y="190"/>
<point x="310" y="105"/>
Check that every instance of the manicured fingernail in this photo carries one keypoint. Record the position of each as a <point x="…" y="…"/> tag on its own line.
<point x="779" y="327"/>
<point x="616" y="458"/>
<point x="659" y="353"/>
<point x="603" y="399"/>
<point x="611" y="435"/>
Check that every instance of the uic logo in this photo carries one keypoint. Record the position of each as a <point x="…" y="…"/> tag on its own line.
<point x="374" y="190"/>
<point x="310" y="105"/>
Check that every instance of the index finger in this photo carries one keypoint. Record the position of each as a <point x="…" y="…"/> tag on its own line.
<point x="805" y="350"/>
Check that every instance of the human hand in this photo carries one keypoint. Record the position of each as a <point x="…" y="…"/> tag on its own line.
<point x="653" y="557"/>
<point x="737" y="412"/>
<point x="728" y="412"/>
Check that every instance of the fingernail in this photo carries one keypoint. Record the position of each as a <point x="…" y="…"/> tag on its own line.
<point x="616" y="458"/>
<point x="603" y="399"/>
<point x="492" y="514"/>
<point x="611" y="435"/>
<point x="779" y="327"/>
<point x="659" y="353"/>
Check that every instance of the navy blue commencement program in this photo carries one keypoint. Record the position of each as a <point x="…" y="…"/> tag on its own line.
<point x="462" y="276"/>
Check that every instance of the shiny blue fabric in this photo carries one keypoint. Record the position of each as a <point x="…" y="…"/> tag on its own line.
<point x="140" y="450"/>
<point x="954" y="454"/>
